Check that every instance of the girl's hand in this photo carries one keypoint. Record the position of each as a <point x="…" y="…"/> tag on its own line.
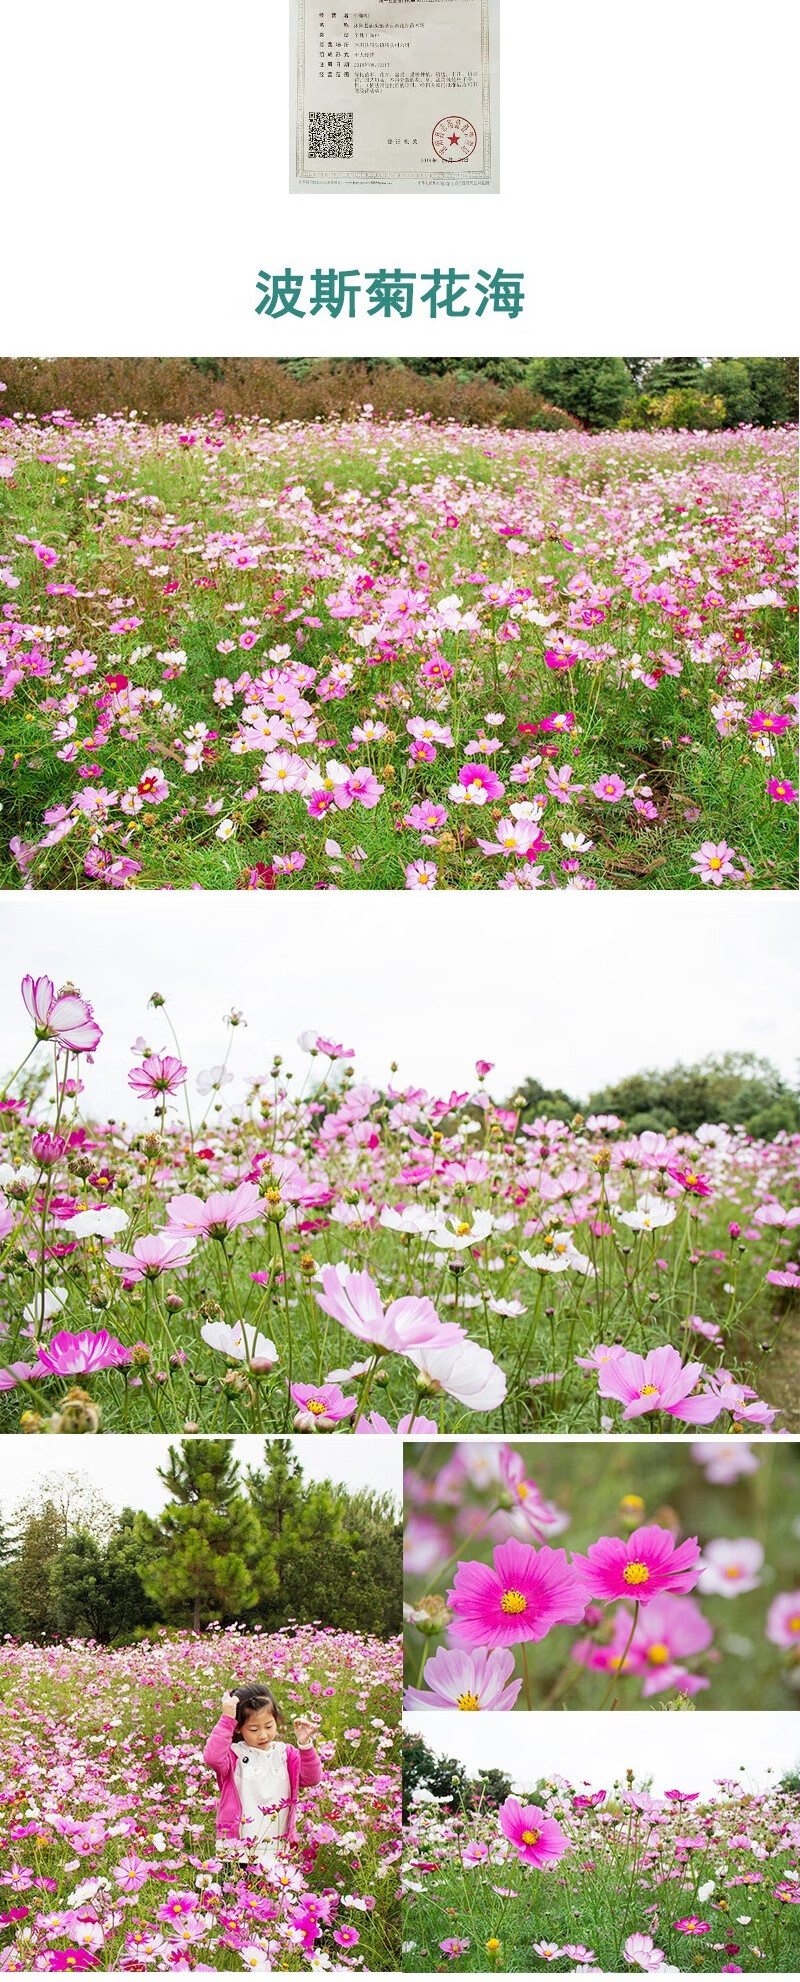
<point x="304" y="1731"/>
<point x="229" y="1704"/>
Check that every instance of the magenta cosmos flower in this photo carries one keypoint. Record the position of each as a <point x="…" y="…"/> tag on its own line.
<point x="79" y="1355"/>
<point x="783" y="1620"/>
<point x="160" y="1073"/>
<point x="539" y="1839"/>
<point x="320" y="1406"/>
<point x="152" y="1255"/>
<point x="216" y="1215"/>
<point x="467" y="1681"/>
<point x="641" y="1567"/>
<point x="526" y="1593"/>
<point x="658" y="1382"/>
<point x="63" y="1015"/>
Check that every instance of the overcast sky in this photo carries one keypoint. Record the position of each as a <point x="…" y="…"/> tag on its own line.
<point x="681" y="1751"/>
<point x="124" y="1470"/>
<point x="574" y="989"/>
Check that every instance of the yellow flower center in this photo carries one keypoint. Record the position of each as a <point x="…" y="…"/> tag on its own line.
<point x="513" y="1603"/>
<point x="650" y="1390"/>
<point x="317" y="1409"/>
<point x="715" y="862"/>
<point x="733" y="1571"/>
<point x="468" y="1703"/>
<point x="658" y="1655"/>
<point x="462" y="1230"/>
<point x="522" y="1490"/>
<point x="531" y="1837"/>
<point x="635" y="1572"/>
<point x="794" y="1623"/>
<point x="492" y="1945"/>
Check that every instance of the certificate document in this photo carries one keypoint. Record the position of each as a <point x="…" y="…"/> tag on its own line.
<point x="394" y="96"/>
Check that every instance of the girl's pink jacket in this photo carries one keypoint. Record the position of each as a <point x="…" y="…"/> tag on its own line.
<point x="303" y="1764"/>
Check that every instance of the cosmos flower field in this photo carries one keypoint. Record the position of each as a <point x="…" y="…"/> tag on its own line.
<point x="607" y="1878"/>
<point x="417" y="656"/>
<point x="535" y="1578"/>
<point x="109" y="1849"/>
<point x="331" y="1258"/>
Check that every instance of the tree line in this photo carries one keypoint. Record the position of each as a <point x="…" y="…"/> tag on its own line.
<point x="596" y="394"/>
<point x="257" y="1546"/>
<point x="741" y="1089"/>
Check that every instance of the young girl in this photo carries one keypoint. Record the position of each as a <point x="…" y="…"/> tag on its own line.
<point x="259" y="1777"/>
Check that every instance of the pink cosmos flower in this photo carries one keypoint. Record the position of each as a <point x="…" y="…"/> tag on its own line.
<point x="611" y="789"/>
<point x="537" y="1838"/>
<point x="353" y="1300"/>
<point x="421" y="874"/>
<point x="730" y="1568"/>
<point x="79" y="1355"/>
<point x="62" y="1015"/>
<point x="467" y="1681"/>
<point x="658" y="1382"/>
<point x="152" y="1255"/>
<point x="668" y="1631"/>
<point x="783" y="1621"/>
<point x="514" y="838"/>
<point x="160" y="1073"/>
<point x="691" y="1925"/>
<point x="478" y="783"/>
<point x="522" y="1597"/>
<point x="714" y="862"/>
<point x="640" y="1951"/>
<point x="781" y="792"/>
<point x="320" y="1406"/>
<point x="216" y="1215"/>
<point x="423" y="1427"/>
<point x="690" y="1181"/>
<point x="641" y="1567"/>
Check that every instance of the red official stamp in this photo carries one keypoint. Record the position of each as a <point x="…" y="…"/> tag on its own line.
<point x="454" y="139"/>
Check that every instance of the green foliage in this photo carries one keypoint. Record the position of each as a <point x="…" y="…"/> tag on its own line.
<point x="99" y="1589"/>
<point x="684" y="407"/>
<point x="441" y="1776"/>
<point x="595" y="390"/>
<point x="736" y="1088"/>
<point x="260" y="1549"/>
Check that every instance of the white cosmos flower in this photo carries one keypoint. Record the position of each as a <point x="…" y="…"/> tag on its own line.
<point x="242" y="1342"/>
<point x="211" y="1078"/>
<point x="413" y="1218"/>
<point x="650" y="1214"/>
<point x="103" y="1223"/>
<point x="457" y="1235"/>
<point x="561" y="1256"/>
<point x="464" y="1369"/>
<point x="43" y="1310"/>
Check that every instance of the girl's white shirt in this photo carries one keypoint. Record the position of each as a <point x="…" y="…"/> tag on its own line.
<point x="262" y="1782"/>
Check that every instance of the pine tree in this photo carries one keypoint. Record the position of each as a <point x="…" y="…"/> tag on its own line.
<point x="203" y="1558"/>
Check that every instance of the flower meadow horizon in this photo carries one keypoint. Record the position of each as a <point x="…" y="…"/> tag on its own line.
<point x="440" y="1257"/>
<point x="411" y="656"/>
<point x="614" y="1882"/>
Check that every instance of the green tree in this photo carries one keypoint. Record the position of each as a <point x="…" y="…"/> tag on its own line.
<point x="41" y="1539"/>
<point x="595" y="390"/>
<point x="98" y="1588"/>
<point x="335" y="1556"/>
<point x="533" y="1099"/>
<point x="202" y="1558"/>
<point x="492" y="1787"/>
<point x="443" y="1777"/>
<point x="674" y="375"/>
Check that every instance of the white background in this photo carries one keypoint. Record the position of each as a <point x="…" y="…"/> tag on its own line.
<point x="125" y="1470"/>
<point x="647" y="171"/>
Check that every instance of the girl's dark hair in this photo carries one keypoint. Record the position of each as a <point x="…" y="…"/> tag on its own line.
<point x="252" y="1700"/>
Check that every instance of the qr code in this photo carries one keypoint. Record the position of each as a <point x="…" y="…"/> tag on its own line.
<point x="330" y="134"/>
